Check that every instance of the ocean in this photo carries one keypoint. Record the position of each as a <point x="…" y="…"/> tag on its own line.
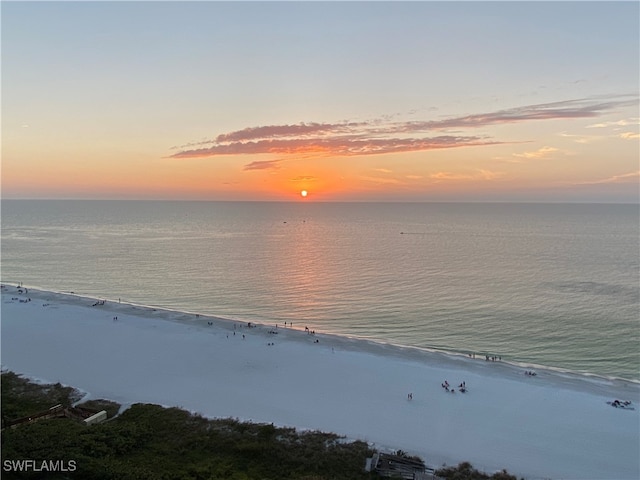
<point x="547" y="285"/>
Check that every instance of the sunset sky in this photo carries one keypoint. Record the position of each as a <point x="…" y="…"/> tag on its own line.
<point x="359" y="101"/>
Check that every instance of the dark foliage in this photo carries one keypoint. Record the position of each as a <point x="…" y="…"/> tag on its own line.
<point x="152" y="442"/>
<point x="465" y="471"/>
<point x="111" y="408"/>
<point x="20" y="397"/>
<point x="149" y="442"/>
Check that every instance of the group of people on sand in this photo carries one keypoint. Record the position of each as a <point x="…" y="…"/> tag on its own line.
<point x="21" y="300"/>
<point x="621" y="403"/>
<point x="445" y="385"/>
<point x="462" y="387"/>
<point x="530" y="373"/>
<point x="20" y="291"/>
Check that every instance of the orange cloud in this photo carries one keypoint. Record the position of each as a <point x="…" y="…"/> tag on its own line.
<point x="263" y="165"/>
<point x="336" y="146"/>
<point x="382" y="136"/>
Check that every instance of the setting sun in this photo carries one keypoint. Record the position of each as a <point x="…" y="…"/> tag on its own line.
<point x="304" y="193"/>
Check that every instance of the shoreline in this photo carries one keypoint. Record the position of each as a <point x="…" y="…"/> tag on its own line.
<point x="366" y="343"/>
<point x="353" y="387"/>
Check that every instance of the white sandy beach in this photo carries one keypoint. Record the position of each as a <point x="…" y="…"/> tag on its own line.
<point x="554" y="425"/>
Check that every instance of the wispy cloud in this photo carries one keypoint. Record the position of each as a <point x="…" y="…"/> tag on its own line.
<point x="629" y="135"/>
<point x="381" y="180"/>
<point x="543" y="152"/>
<point x="383" y="135"/>
<point x="263" y="165"/>
<point x="439" y="176"/>
<point x="300" y="130"/>
<point x="631" y="177"/>
<point x="480" y="175"/>
<point x="580" y="108"/>
<point x="336" y="146"/>
<point x="619" y="123"/>
<point x="304" y="178"/>
<point x="582" y="139"/>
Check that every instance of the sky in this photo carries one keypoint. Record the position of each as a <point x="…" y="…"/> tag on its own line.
<point x="349" y="101"/>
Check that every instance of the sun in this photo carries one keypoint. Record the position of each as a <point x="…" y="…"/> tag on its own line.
<point x="304" y="193"/>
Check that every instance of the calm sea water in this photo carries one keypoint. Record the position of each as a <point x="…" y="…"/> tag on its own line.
<point x="548" y="284"/>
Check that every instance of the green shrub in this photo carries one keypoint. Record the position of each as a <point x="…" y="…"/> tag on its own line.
<point x="152" y="442"/>
<point x="465" y="471"/>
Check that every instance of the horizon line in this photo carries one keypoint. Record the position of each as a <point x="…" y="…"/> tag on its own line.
<point x="528" y="202"/>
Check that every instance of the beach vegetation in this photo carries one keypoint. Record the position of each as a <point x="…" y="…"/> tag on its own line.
<point x="112" y="408"/>
<point x="465" y="471"/>
<point x="153" y="442"/>
<point x="21" y="397"/>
